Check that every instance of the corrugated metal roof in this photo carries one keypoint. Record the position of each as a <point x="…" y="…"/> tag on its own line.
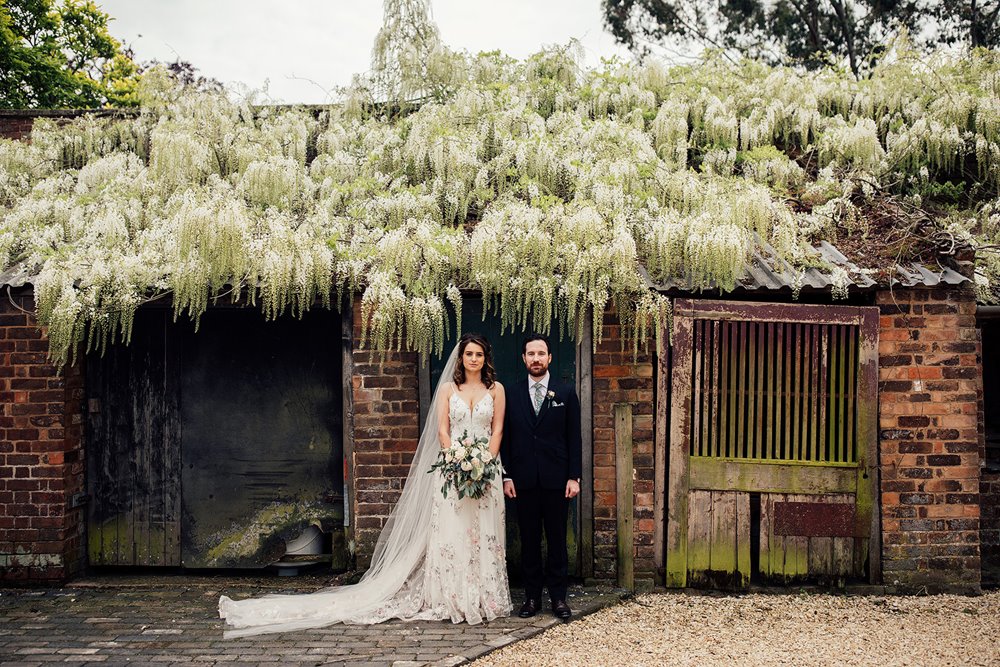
<point x="919" y="275"/>
<point x="767" y="271"/>
<point x="15" y="276"/>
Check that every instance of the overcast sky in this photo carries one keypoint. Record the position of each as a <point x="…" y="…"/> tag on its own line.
<point x="304" y="48"/>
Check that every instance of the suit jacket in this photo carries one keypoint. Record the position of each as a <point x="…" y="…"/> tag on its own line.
<point x="544" y="450"/>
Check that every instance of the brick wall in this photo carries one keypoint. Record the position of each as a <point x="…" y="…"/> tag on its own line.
<point x="386" y="431"/>
<point x="929" y="379"/>
<point x="16" y="124"/>
<point x="621" y="378"/>
<point x="41" y="457"/>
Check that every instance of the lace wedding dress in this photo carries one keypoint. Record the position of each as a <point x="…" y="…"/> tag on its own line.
<point x="437" y="558"/>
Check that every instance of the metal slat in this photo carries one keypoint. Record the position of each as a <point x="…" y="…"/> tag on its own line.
<point x="723" y="449"/>
<point x="698" y="393"/>
<point x="824" y="390"/>
<point x="779" y="358"/>
<point x="802" y="405"/>
<point x="742" y="391"/>
<point x="851" y="377"/>
<point x="758" y="389"/>
<point x="716" y="412"/>
<point x="752" y="444"/>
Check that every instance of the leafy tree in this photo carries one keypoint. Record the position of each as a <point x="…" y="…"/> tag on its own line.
<point x="808" y="31"/>
<point x="60" y="54"/>
<point x="186" y="74"/>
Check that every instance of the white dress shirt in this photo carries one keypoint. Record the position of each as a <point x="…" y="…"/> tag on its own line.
<point x="531" y="385"/>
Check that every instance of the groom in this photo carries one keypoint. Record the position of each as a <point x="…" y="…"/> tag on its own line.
<point x="541" y="452"/>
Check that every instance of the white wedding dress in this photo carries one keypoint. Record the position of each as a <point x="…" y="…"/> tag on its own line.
<point x="437" y="558"/>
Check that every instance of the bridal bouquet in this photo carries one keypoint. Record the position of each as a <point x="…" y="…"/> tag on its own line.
<point x="468" y="466"/>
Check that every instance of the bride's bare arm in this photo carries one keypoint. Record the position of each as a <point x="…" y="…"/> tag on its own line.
<point x="444" y="425"/>
<point x="499" y="408"/>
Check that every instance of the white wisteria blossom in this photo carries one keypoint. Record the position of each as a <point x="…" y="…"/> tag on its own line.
<point x="539" y="184"/>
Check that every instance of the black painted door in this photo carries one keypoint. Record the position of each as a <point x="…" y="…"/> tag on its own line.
<point x="507" y="348"/>
<point x="210" y="449"/>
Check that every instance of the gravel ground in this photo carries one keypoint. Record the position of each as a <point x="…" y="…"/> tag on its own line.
<point x="679" y="629"/>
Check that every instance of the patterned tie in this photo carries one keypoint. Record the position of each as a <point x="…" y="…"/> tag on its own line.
<point x="539" y="396"/>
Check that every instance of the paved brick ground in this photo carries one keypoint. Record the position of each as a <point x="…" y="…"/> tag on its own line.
<point x="173" y="620"/>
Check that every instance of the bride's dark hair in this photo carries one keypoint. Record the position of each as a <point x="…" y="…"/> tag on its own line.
<point x="489" y="373"/>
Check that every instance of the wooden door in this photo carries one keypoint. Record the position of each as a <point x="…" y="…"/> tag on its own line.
<point x="211" y="449"/>
<point x="773" y="444"/>
<point x="133" y="448"/>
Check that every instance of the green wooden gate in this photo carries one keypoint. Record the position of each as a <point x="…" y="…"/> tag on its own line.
<point x="773" y="469"/>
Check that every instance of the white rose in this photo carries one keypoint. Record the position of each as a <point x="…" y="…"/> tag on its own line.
<point x="459" y="453"/>
<point x="467" y="442"/>
<point x="466" y="466"/>
<point x="487" y="457"/>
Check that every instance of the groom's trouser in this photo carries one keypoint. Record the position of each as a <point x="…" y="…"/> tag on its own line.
<point x="538" y="509"/>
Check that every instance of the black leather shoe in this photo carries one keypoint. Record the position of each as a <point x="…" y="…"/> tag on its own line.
<point x="528" y="609"/>
<point x="561" y="610"/>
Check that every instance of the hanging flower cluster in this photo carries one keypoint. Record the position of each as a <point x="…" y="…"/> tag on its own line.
<point x="540" y="184"/>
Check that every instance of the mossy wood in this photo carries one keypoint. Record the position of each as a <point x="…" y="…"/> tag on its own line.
<point x="772" y="405"/>
<point x="624" y="473"/>
<point x="214" y="450"/>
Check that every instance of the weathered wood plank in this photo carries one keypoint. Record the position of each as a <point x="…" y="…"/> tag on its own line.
<point x="677" y="471"/>
<point x="758" y="389"/>
<point x="742" y="535"/>
<point x="766" y="544"/>
<point x="661" y="453"/>
<point x="771" y="477"/>
<point x="820" y="557"/>
<point x="867" y="410"/>
<point x="723" y="557"/>
<point x="623" y="487"/>
<point x="796" y="313"/>
<point x="796" y="548"/>
<point x="699" y="535"/>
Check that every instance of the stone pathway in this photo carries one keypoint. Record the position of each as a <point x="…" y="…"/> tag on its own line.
<point x="173" y="620"/>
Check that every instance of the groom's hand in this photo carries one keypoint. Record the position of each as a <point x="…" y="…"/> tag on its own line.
<point x="572" y="488"/>
<point x="508" y="488"/>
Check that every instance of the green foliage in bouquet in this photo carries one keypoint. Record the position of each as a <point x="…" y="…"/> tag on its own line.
<point x="467" y="466"/>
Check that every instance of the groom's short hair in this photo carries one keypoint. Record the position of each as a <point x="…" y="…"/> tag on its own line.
<point x="533" y="337"/>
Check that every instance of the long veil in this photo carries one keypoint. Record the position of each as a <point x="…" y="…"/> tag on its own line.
<point x="399" y="553"/>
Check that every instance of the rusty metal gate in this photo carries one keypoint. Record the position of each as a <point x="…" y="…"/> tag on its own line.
<point x="772" y="463"/>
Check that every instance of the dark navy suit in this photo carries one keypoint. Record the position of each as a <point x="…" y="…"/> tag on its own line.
<point x="540" y="453"/>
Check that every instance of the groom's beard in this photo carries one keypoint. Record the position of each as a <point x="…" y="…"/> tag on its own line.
<point x="538" y="371"/>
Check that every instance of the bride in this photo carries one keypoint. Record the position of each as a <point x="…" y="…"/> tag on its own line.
<point x="437" y="558"/>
